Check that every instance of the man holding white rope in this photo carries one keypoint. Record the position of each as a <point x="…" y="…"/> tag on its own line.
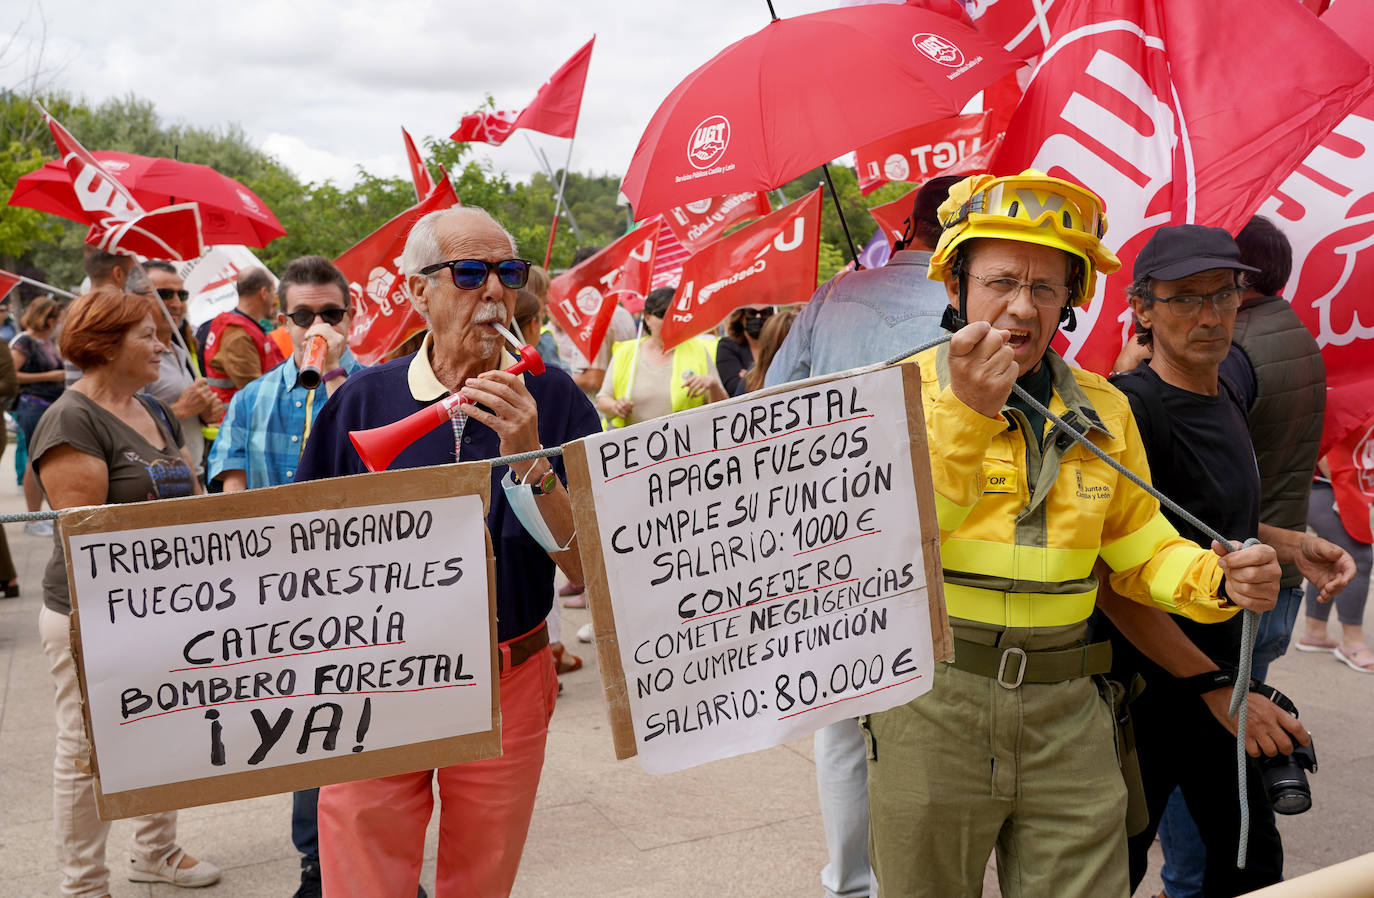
<point x="1014" y="747"/>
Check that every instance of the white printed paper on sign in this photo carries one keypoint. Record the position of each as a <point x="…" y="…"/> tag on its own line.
<point x="286" y="649"/>
<point x="763" y="567"/>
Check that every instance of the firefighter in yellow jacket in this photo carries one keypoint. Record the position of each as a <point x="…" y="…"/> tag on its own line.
<point x="1014" y="747"/>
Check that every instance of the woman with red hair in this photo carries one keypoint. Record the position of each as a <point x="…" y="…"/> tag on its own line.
<point x="102" y="443"/>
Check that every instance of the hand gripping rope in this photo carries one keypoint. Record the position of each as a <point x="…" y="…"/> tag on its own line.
<point x="1249" y="621"/>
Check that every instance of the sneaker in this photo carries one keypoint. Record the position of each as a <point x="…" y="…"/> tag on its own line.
<point x="38" y="528"/>
<point x="584" y="633"/>
<point x="310" y="887"/>
<point x="169" y="870"/>
<point x="570" y="589"/>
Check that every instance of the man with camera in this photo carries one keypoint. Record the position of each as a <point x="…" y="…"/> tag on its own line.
<point x="1187" y="287"/>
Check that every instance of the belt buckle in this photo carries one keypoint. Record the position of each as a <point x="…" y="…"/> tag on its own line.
<point x="1020" y="667"/>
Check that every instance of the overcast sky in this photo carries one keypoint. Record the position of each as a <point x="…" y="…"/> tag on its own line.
<point x="326" y="86"/>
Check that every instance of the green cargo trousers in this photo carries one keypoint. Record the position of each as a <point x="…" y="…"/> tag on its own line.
<point x="973" y="765"/>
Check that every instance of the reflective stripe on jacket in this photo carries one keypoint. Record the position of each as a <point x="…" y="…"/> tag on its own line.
<point x="268" y="355"/>
<point x="693" y="355"/>
<point x="1021" y="527"/>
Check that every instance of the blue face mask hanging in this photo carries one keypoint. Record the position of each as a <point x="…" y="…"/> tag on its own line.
<point x="521" y="499"/>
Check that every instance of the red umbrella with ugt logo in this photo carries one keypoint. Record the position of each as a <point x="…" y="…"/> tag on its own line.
<point x="801" y="92"/>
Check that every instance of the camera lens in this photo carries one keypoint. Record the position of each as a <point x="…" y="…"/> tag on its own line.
<point x="1285" y="779"/>
<point x="1290" y="796"/>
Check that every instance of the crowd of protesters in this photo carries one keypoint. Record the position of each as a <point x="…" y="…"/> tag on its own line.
<point x="116" y="398"/>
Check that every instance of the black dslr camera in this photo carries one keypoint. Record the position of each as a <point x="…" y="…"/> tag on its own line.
<point x="1285" y="776"/>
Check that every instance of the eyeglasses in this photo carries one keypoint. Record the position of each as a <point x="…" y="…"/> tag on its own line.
<point x="1188" y="305"/>
<point x="306" y="317"/>
<point x="168" y="294"/>
<point x="469" y="274"/>
<point x="758" y="313"/>
<point x="1046" y="296"/>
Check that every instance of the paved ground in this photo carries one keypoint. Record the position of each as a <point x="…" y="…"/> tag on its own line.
<point x="748" y="826"/>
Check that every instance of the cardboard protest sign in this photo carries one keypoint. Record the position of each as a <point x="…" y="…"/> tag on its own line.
<point x="273" y="640"/>
<point x="762" y="567"/>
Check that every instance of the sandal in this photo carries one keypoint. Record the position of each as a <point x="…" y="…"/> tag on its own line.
<point x="1358" y="657"/>
<point x="565" y="661"/>
<point x="1328" y="645"/>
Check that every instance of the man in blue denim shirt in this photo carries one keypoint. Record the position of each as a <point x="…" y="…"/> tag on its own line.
<point x="858" y="318"/>
<point x="261" y="436"/>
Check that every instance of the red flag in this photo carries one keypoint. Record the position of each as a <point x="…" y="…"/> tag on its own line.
<point x="1352" y="477"/>
<point x="486" y="127"/>
<point x="1324" y="208"/>
<point x="424" y="182"/>
<point x="891" y="217"/>
<point x="383" y="317"/>
<point x="1001" y="97"/>
<point x="920" y="153"/>
<point x="118" y="223"/>
<point x="8" y="281"/>
<point x="1139" y="107"/>
<point x="553" y="110"/>
<point x="668" y="260"/>
<point x="583" y="298"/>
<point x="699" y="223"/>
<point x="771" y="261"/>
<point x="1017" y="24"/>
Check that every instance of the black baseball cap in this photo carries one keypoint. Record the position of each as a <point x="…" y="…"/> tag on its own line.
<point x="1180" y="251"/>
<point x="930" y="196"/>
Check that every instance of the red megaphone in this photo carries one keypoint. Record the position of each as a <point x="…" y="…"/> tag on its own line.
<point x="379" y="446"/>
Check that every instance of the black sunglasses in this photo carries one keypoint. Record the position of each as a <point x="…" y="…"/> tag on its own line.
<point x="306" y="317"/>
<point x="758" y="313"/>
<point x="167" y="293"/>
<point x="469" y="274"/>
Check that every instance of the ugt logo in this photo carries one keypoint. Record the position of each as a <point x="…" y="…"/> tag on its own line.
<point x="1364" y="462"/>
<point x="937" y="49"/>
<point x="708" y="141"/>
<point x="589" y="300"/>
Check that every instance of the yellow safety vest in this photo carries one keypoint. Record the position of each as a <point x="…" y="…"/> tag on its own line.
<point x="694" y="355"/>
<point x="1021" y="527"/>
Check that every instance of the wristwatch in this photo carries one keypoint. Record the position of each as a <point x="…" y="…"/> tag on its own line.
<point x="546" y="484"/>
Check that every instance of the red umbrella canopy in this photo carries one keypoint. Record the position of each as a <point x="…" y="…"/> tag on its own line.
<point x="229" y="212"/>
<point x="802" y="92"/>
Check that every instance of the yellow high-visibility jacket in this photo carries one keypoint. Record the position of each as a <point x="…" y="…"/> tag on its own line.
<point x="693" y="355"/>
<point x="1020" y="529"/>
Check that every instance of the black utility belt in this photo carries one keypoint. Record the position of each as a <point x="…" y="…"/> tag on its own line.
<point x="1011" y="666"/>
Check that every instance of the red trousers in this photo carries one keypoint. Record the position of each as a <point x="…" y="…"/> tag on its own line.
<point x="372" y="832"/>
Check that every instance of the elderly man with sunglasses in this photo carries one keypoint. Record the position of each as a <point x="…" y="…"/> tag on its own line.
<point x="463" y="273"/>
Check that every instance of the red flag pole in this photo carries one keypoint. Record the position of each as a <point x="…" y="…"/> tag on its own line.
<point x="42" y="286"/>
<point x="558" y="203"/>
